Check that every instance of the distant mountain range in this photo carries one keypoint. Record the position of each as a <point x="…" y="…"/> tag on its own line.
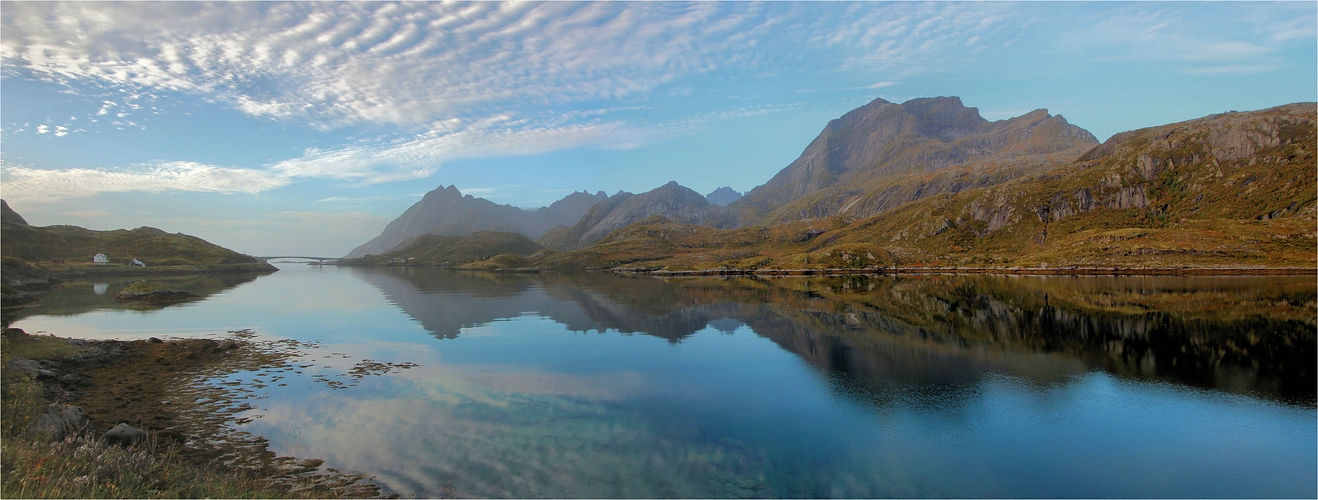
<point x="446" y="211"/>
<point x="672" y="201"/>
<point x="878" y="175"/>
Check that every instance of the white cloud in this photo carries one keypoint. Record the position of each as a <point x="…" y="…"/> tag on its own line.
<point x="38" y="185"/>
<point x="1173" y="33"/>
<point x="342" y="63"/>
<point x="334" y="64"/>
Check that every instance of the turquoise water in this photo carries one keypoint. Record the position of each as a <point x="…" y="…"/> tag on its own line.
<point x="593" y="385"/>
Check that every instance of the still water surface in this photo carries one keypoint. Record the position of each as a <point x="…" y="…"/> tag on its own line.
<point x="594" y="385"/>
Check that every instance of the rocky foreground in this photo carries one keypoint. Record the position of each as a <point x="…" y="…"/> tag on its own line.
<point x="70" y="401"/>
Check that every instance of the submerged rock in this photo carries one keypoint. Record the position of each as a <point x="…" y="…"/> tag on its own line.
<point x="148" y="294"/>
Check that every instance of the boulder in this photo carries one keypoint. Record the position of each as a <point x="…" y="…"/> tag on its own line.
<point x="24" y="365"/>
<point x="125" y="435"/>
<point x="60" y="421"/>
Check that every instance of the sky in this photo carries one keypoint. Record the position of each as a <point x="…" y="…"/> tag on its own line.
<point x="304" y="128"/>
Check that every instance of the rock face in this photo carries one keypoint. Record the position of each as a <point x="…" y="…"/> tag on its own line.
<point x="446" y="211"/>
<point x="723" y="196"/>
<point x="883" y="155"/>
<point x="672" y="201"/>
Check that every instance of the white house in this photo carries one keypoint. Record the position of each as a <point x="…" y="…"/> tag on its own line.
<point x="139" y="263"/>
<point x="100" y="258"/>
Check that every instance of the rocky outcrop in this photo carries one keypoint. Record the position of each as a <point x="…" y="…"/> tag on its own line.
<point x="145" y="294"/>
<point x="672" y="201"/>
<point x="446" y="211"/>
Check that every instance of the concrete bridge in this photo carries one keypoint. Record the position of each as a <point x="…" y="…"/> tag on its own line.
<point x="319" y="260"/>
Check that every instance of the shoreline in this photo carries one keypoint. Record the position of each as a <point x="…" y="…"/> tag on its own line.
<point x="895" y="271"/>
<point x="65" y="272"/>
<point x="160" y="387"/>
<point x="1027" y="271"/>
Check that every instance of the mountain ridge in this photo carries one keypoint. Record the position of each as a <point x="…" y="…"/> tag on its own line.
<point x="881" y="155"/>
<point x="445" y="210"/>
<point x="1231" y="192"/>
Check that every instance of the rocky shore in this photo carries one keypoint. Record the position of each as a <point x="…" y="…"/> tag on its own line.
<point x="149" y="396"/>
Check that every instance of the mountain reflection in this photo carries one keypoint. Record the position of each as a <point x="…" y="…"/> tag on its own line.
<point x="879" y="339"/>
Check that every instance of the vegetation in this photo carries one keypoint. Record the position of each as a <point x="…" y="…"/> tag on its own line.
<point x="75" y="246"/>
<point x="86" y="467"/>
<point x="446" y="250"/>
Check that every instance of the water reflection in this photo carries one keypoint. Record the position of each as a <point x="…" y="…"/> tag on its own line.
<point x="79" y="296"/>
<point x="886" y="338"/>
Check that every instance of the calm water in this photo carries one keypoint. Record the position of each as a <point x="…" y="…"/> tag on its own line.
<point x="592" y="385"/>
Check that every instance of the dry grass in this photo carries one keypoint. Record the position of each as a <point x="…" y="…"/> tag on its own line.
<point x="168" y="464"/>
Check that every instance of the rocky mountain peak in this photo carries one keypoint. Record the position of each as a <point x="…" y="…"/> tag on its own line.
<point x="723" y="196"/>
<point x="945" y="118"/>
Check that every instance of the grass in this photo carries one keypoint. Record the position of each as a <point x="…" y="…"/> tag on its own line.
<point x="143" y="287"/>
<point x="86" y="467"/>
<point x="77" y="245"/>
<point x="82" y="467"/>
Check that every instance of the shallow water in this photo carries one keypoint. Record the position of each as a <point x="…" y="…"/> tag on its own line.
<point x="594" y="385"/>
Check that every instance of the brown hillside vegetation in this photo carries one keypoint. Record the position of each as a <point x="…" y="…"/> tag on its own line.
<point x="435" y="249"/>
<point x="77" y="246"/>
<point x="1228" y="191"/>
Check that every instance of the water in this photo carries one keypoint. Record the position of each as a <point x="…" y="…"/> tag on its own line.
<point x="593" y="385"/>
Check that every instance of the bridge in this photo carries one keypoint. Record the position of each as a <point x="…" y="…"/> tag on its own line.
<point x="319" y="260"/>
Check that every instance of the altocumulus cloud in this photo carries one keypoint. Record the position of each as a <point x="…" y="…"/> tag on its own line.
<point x="30" y="184"/>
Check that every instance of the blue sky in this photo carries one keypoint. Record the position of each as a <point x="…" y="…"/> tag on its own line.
<point x="305" y="127"/>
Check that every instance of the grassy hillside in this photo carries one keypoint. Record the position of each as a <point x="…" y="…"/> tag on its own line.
<point x="77" y="245"/>
<point x="1226" y="190"/>
<point x="433" y="249"/>
<point x="1230" y="191"/>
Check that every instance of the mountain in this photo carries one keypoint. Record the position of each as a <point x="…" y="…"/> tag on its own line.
<point x="446" y="211"/>
<point x="153" y="246"/>
<point x="672" y="201"/>
<point x="723" y="196"/>
<point x="9" y="216"/>
<point x="882" y="155"/>
<point x="1228" y="192"/>
<point x="437" y="249"/>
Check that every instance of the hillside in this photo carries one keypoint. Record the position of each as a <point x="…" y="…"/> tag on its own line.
<point x="447" y="211"/>
<point x="672" y="201"/>
<point x="883" y="155"/>
<point x="435" y="249"/>
<point x="1233" y="191"/>
<point x="76" y="245"/>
